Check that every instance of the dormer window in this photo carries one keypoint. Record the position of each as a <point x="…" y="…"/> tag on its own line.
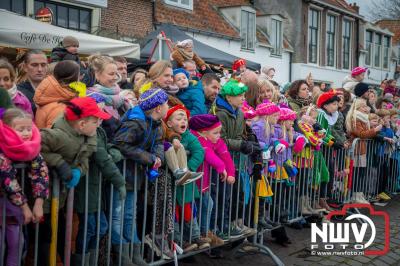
<point x="248" y="30"/>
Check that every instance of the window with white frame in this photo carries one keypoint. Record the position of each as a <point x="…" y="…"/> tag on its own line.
<point x="313" y="34"/>
<point x="248" y="30"/>
<point x="186" y="4"/>
<point x="386" y="51"/>
<point x="378" y="50"/>
<point x="346" y="55"/>
<point x="276" y="37"/>
<point x="330" y="40"/>
<point x="369" y="47"/>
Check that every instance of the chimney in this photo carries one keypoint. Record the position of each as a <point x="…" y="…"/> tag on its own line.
<point x="355" y="7"/>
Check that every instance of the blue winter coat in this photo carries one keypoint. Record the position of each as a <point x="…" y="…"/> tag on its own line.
<point x="193" y="98"/>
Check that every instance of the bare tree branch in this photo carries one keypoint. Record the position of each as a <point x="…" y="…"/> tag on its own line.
<point x="385" y="9"/>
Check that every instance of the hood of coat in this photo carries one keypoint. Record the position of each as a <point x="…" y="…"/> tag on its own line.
<point x="136" y="113"/>
<point x="50" y="90"/>
<point x="222" y="104"/>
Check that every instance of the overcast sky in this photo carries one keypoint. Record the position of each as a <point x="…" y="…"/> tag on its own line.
<point x="364" y="6"/>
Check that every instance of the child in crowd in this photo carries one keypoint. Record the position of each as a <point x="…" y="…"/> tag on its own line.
<point x="186" y="193"/>
<point x="67" y="50"/>
<point x="67" y="147"/>
<point x="309" y="127"/>
<point x="101" y="164"/>
<point x="53" y="91"/>
<point x="190" y="92"/>
<point x="386" y="163"/>
<point x="20" y="142"/>
<point x="264" y="129"/>
<point x="357" y="76"/>
<point x="140" y="140"/>
<point x="283" y="156"/>
<point x="358" y="126"/>
<point x="7" y="81"/>
<point x="327" y="117"/>
<point x="207" y="128"/>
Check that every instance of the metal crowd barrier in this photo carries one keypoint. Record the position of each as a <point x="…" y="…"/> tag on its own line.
<point x="236" y="207"/>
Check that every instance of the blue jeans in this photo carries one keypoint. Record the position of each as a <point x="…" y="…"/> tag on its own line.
<point x="223" y="207"/>
<point x="91" y="231"/>
<point x="129" y="219"/>
<point x="206" y="210"/>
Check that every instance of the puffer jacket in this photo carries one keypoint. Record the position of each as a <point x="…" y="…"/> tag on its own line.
<point x="48" y="97"/>
<point x="193" y="98"/>
<point x="140" y="140"/>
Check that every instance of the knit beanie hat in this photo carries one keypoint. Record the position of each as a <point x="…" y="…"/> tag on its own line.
<point x="175" y="108"/>
<point x="181" y="71"/>
<point x="266" y="108"/>
<point x="152" y="98"/>
<point x="204" y="122"/>
<point x="287" y="114"/>
<point x="360" y="89"/>
<point x="233" y="88"/>
<point x="70" y="41"/>
<point x="358" y="70"/>
<point x="327" y="98"/>
<point x="99" y="98"/>
<point x="248" y="111"/>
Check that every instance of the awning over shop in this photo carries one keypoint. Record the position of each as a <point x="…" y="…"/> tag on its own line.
<point x="23" y="32"/>
<point x="207" y="53"/>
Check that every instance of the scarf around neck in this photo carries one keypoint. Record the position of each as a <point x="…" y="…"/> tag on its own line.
<point x="15" y="148"/>
<point x="362" y="117"/>
<point x="113" y="100"/>
<point x="303" y="102"/>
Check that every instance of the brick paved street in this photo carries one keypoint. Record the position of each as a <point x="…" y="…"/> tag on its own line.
<point x="297" y="255"/>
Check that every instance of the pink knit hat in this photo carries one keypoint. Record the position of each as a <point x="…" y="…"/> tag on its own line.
<point x="287" y="114"/>
<point x="266" y="108"/>
<point x="248" y="111"/>
<point x="358" y="70"/>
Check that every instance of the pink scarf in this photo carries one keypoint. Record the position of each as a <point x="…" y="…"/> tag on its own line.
<point x="15" y="148"/>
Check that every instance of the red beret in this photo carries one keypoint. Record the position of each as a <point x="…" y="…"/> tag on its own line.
<point x="324" y="97"/>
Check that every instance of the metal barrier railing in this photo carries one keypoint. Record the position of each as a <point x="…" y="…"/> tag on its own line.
<point x="157" y="218"/>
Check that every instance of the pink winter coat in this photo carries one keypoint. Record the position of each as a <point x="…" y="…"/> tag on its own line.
<point x="20" y="101"/>
<point x="216" y="156"/>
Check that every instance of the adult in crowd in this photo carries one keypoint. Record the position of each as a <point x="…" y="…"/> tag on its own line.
<point x="161" y="75"/>
<point x="53" y="91"/>
<point x="382" y="87"/>
<point x="122" y="68"/>
<point x="357" y="76"/>
<point x="7" y="81"/>
<point x="391" y="87"/>
<point x="346" y="97"/>
<point x="211" y="87"/>
<point x="35" y="66"/>
<point x="267" y="72"/>
<point x="298" y="95"/>
<point x="362" y="90"/>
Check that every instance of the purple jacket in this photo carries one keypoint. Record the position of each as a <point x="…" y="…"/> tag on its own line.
<point x="259" y="130"/>
<point x="22" y="102"/>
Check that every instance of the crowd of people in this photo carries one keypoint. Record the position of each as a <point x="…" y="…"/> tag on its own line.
<point x="176" y="123"/>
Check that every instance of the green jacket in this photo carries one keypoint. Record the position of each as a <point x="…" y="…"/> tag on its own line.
<point x="194" y="160"/>
<point x="233" y="124"/>
<point x="62" y="144"/>
<point x="102" y="162"/>
<point x="338" y="131"/>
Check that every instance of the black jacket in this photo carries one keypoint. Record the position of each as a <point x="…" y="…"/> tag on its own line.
<point x="27" y="89"/>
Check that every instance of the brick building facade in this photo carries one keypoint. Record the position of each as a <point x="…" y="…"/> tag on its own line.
<point x="131" y="18"/>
